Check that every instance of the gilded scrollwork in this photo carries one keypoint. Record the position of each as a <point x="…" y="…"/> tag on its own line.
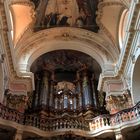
<point x="15" y="101"/>
<point x="118" y="102"/>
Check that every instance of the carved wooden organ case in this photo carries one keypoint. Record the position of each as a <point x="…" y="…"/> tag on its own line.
<point x="65" y="86"/>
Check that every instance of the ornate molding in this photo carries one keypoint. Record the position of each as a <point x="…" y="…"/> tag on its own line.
<point x="15" y="101"/>
<point x="117" y="103"/>
<point x="64" y="34"/>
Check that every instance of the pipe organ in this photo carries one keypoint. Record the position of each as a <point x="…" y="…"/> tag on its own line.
<point x="60" y="96"/>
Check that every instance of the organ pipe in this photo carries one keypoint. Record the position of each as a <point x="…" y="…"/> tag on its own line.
<point x="86" y="90"/>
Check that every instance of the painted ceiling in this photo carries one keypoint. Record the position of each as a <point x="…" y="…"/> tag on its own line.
<point x="59" y="13"/>
<point x="65" y="61"/>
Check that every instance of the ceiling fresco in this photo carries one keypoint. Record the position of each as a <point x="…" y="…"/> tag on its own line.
<point x="62" y="13"/>
<point x="67" y="61"/>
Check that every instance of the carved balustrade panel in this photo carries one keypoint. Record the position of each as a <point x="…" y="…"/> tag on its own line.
<point x="68" y="122"/>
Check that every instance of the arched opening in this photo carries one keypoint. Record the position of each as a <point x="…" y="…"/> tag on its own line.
<point x="136" y="82"/>
<point x="66" y="84"/>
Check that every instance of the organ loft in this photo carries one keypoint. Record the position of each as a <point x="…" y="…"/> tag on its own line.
<point x="66" y="87"/>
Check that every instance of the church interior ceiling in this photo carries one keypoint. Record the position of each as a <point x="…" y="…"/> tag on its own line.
<point x="66" y="13"/>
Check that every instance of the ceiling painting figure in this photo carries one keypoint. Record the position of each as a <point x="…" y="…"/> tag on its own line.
<point x="66" y="13"/>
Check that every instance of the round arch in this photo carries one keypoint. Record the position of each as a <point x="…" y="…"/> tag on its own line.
<point x="97" y="54"/>
<point x="63" y="38"/>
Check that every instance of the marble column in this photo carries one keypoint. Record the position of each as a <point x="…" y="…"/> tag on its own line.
<point x="18" y="135"/>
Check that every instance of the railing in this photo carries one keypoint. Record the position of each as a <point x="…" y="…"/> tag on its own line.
<point x="52" y="124"/>
<point x="48" y="124"/>
<point x="115" y="119"/>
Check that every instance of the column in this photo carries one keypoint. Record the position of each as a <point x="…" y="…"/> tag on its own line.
<point x="44" y="89"/>
<point x="37" y="90"/>
<point x="52" y="90"/>
<point x="80" y="104"/>
<point x="51" y="99"/>
<point x="78" y="86"/>
<point x="93" y="91"/>
<point x="18" y="135"/>
<point x="86" y="90"/>
<point x="79" y="90"/>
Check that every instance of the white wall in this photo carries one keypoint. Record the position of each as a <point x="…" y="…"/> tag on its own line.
<point x="136" y="81"/>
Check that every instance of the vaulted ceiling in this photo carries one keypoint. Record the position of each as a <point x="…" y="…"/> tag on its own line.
<point x="25" y="15"/>
<point x="94" y="27"/>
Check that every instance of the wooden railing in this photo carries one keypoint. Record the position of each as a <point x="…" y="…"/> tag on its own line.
<point x="52" y="124"/>
<point x="48" y="124"/>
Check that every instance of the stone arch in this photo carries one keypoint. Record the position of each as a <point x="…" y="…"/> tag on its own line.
<point x="63" y="38"/>
<point x="25" y="63"/>
<point x="82" y="48"/>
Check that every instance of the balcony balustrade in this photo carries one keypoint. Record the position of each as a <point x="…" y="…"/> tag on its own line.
<point x="88" y="125"/>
